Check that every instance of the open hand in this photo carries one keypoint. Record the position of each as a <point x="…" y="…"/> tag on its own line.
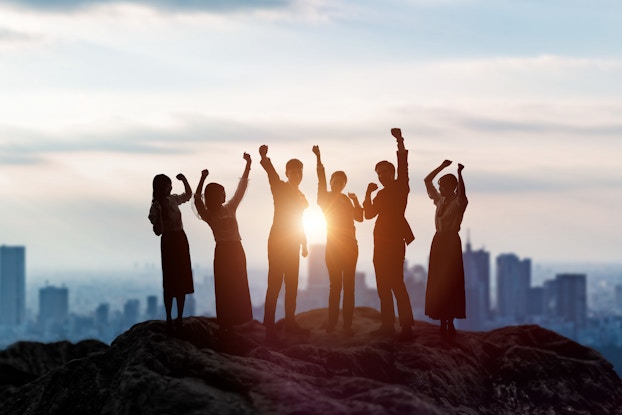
<point x="305" y="252"/>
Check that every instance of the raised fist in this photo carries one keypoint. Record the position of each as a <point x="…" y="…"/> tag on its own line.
<point x="397" y="133"/>
<point x="372" y="187"/>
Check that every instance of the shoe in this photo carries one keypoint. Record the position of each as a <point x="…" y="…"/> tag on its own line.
<point x="292" y="327"/>
<point x="386" y="331"/>
<point x="406" y="334"/>
<point x="169" y="326"/>
<point x="178" y="323"/>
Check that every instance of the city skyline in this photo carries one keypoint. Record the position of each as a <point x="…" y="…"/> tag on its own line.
<point x="100" y="96"/>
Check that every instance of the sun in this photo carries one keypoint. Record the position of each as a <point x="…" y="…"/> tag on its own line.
<point x="315" y="225"/>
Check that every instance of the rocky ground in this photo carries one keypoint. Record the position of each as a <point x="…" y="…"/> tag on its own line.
<point x="198" y="370"/>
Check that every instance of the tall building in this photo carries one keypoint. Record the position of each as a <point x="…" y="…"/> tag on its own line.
<point x="618" y="299"/>
<point x="131" y="312"/>
<point x="476" y="287"/>
<point x="316" y="294"/>
<point x="12" y="285"/>
<point x="513" y="283"/>
<point x="317" y="273"/>
<point x="572" y="298"/>
<point x="152" y="307"/>
<point x="53" y="304"/>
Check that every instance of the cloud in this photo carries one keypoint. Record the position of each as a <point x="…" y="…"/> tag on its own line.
<point x="221" y="6"/>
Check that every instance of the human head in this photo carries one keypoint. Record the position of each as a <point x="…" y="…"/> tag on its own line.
<point x="214" y="195"/>
<point x="293" y="171"/>
<point x="338" y="181"/>
<point x="386" y="172"/>
<point x="447" y="184"/>
<point x="162" y="186"/>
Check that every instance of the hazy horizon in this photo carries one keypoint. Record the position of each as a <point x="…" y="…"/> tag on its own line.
<point x="99" y="96"/>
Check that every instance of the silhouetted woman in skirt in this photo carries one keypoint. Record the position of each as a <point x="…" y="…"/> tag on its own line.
<point x="166" y="219"/>
<point x="445" y="297"/>
<point x="233" y="301"/>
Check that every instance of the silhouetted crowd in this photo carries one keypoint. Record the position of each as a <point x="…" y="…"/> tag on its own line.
<point x="445" y="296"/>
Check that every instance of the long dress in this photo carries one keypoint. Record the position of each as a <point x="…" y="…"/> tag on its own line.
<point x="233" y="301"/>
<point x="174" y="249"/>
<point x="445" y="296"/>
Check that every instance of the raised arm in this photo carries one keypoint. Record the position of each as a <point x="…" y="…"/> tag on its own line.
<point x="402" y="155"/>
<point x="267" y="164"/>
<point x="461" y="189"/>
<point x="321" y="176"/>
<point x="370" y="209"/>
<point x="242" y="184"/>
<point x="429" y="185"/>
<point x="198" y="201"/>
<point x="187" y="194"/>
<point x="358" y="209"/>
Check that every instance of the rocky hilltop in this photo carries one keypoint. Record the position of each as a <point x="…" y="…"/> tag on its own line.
<point x="197" y="370"/>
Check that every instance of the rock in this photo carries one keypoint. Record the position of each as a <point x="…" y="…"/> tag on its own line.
<point x="199" y="370"/>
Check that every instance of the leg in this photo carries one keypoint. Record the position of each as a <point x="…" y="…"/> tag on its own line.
<point x="168" y="306"/>
<point x="382" y="267"/>
<point x="334" y="296"/>
<point x="349" y="272"/>
<point x="181" y="300"/>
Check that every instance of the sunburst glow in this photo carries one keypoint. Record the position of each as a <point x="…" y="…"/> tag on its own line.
<point x="315" y="225"/>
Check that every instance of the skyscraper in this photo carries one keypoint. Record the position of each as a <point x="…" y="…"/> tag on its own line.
<point x="53" y="304"/>
<point x="12" y="285"/>
<point x="572" y="298"/>
<point x="513" y="283"/>
<point x="476" y="287"/>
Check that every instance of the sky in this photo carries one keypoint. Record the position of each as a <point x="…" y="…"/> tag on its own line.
<point x="100" y="96"/>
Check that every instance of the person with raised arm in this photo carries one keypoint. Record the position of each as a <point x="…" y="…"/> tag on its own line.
<point x="340" y="212"/>
<point x="287" y="241"/>
<point x="233" y="300"/>
<point x="445" y="297"/>
<point x="165" y="217"/>
<point x="391" y="235"/>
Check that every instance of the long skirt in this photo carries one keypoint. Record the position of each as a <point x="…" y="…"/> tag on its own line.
<point x="233" y="299"/>
<point x="444" y="296"/>
<point x="176" y="268"/>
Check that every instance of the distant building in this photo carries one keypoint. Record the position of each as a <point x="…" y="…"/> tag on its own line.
<point x="12" y="285"/>
<point x="53" y="305"/>
<point x="476" y="287"/>
<point x="102" y="313"/>
<point x="190" y="307"/>
<point x="535" y="302"/>
<point x="572" y="298"/>
<point x="152" y="307"/>
<point x="618" y="298"/>
<point x="415" y="279"/>
<point x="131" y="312"/>
<point x="550" y="299"/>
<point x="513" y="283"/>
<point x="318" y="282"/>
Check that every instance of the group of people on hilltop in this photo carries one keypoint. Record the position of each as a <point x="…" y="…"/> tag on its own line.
<point x="445" y="297"/>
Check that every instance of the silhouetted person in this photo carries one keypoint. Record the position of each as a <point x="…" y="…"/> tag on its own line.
<point x="233" y="300"/>
<point x="391" y="235"/>
<point x="444" y="297"/>
<point x="166" y="219"/>
<point x="285" y="242"/>
<point x="342" y="249"/>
